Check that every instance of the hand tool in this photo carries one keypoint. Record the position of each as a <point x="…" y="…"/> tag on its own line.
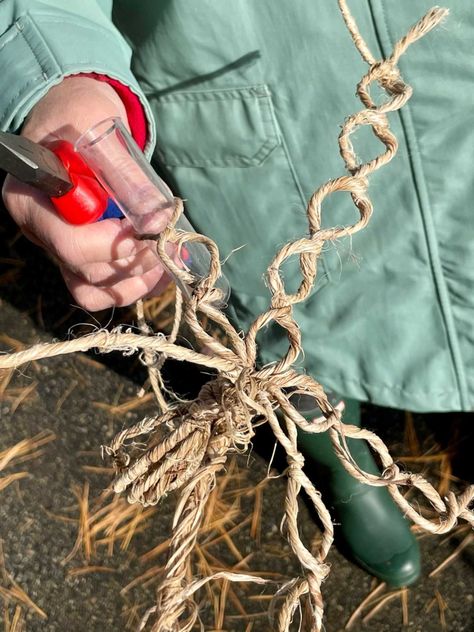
<point x="60" y="172"/>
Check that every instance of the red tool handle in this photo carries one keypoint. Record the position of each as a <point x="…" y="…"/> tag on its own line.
<point x="87" y="200"/>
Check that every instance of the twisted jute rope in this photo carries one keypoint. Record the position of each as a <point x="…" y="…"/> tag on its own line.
<point x="187" y="444"/>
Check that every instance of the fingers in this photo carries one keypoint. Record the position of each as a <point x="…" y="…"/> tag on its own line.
<point x="73" y="245"/>
<point x="108" y="274"/>
<point x="125" y="292"/>
<point x="102" y="263"/>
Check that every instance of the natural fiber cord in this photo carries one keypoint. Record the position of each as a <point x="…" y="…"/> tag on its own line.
<point x="188" y="443"/>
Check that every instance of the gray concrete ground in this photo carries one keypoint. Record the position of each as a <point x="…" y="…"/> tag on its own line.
<point x="36" y="542"/>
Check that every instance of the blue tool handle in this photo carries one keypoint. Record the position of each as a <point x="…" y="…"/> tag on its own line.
<point x="111" y="211"/>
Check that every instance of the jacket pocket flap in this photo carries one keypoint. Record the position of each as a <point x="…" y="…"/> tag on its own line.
<point x="215" y="128"/>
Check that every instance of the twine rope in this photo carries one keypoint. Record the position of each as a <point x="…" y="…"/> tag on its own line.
<point x="188" y="443"/>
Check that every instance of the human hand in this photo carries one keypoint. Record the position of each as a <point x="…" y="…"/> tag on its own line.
<point x="103" y="264"/>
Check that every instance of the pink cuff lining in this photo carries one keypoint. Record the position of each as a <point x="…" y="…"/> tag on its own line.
<point x="133" y="107"/>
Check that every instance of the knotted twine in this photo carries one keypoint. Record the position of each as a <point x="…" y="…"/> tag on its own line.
<point x="188" y="443"/>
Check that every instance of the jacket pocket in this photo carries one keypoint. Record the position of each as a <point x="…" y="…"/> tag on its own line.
<point x="230" y="127"/>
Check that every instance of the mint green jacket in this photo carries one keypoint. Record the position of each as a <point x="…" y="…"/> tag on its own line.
<point x="247" y="97"/>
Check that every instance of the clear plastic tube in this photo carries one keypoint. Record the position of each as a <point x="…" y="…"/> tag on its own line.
<point x="142" y="196"/>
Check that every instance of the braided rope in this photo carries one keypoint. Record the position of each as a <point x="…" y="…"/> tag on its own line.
<point x="188" y="444"/>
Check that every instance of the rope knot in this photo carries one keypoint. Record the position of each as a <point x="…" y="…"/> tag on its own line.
<point x="182" y="442"/>
<point x="388" y="76"/>
<point x="295" y="462"/>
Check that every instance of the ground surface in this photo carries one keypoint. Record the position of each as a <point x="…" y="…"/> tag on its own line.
<point x="73" y="398"/>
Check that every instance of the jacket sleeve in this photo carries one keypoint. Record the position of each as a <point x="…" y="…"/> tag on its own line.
<point x="41" y="42"/>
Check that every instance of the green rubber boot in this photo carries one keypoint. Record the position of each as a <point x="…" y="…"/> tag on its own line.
<point x="369" y="525"/>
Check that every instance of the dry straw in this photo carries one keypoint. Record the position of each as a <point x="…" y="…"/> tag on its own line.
<point x="188" y="443"/>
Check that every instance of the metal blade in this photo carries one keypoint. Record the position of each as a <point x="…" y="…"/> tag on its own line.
<point x="33" y="164"/>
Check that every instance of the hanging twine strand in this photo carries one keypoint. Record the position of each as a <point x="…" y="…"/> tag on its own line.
<point x="188" y="444"/>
